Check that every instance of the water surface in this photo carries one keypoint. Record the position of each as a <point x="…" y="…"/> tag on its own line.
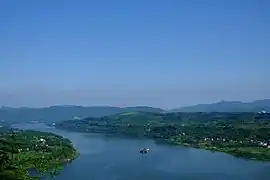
<point x="110" y="158"/>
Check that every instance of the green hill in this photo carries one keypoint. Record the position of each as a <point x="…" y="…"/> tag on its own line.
<point x="21" y="151"/>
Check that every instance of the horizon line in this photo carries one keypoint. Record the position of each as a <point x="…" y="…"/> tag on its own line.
<point x="70" y="105"/>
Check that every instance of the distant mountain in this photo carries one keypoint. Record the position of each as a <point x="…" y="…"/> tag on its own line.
<point x="59" y="113"/>
<point x="228" y="106"/>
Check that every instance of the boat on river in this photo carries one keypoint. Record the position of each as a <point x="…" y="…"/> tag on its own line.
<point x="144" y="150"/>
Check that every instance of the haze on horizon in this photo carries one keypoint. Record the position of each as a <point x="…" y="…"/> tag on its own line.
<point x="158" y="53"/>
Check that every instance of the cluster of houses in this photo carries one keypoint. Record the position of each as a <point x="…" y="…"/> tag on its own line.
<point x="40" y="142"/>
<point x="265" y="144"/>
<point x="252" y="143"/>
<point x="262" y="115"/>
<point x="263" y="112"/>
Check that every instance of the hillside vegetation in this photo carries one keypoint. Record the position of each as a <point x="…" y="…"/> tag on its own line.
<point x="23" y="152"/>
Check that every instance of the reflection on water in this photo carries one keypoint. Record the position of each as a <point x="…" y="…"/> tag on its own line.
<point x="110" y="158"/>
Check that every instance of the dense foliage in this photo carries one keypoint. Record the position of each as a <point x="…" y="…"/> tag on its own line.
<point x="241" y="134"/>
<point x="23" y="152"/>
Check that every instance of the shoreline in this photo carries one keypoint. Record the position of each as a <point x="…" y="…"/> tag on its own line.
<point x="233" y="151"/>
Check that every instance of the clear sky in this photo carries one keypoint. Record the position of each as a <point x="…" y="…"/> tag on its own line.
<point x="124" y="53"/>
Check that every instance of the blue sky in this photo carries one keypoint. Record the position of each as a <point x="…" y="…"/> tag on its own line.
<point x="124" y="53"/>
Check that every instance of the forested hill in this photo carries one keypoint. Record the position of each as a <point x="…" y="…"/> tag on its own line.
<point x="60" y="113"/>
<point x="161" y="119"/>
<point x="21" y="151"/>
<point x="228" y="106"/>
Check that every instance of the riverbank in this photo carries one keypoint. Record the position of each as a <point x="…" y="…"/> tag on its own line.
<point x="238" y="134"/>
<point x="43" y="152"/>
<point x="251" y="153"/>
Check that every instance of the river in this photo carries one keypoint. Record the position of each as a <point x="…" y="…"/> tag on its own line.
<point x="110" y="158"/>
